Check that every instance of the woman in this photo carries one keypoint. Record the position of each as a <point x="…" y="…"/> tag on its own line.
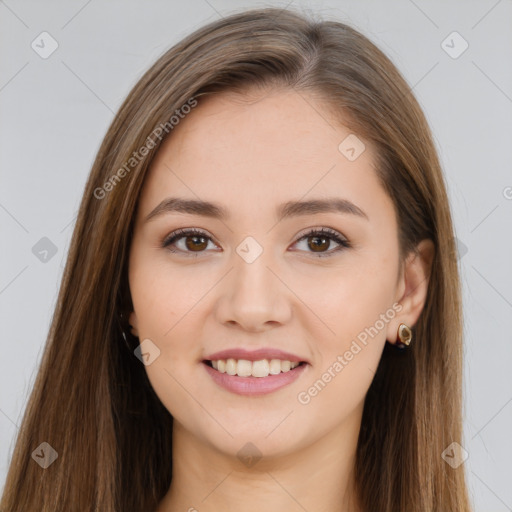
<point x="308" y="355"/>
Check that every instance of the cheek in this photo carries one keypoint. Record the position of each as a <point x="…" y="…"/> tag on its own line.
<point x="358" y="309"/>
<point x="357" y="306"/>
<point x="161" y="295"/>
<point x="168" y="304"/>
<point x="165" y="302"/>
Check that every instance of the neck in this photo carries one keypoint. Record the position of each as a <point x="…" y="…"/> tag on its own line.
<point x="316" y="478"/>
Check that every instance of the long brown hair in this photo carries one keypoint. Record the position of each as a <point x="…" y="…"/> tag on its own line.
<point x="92" y="400"/>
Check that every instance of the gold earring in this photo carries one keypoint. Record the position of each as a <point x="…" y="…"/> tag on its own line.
<point x="404" y="335"/>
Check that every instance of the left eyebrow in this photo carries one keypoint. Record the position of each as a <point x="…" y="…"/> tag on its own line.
<point x="284" y="211"/>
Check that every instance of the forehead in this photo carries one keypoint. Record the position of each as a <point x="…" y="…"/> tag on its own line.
<point x="276" y="127"/>
<point x="244" y="151"/>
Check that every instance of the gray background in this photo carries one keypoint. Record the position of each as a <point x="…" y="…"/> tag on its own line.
<point x="55" y="112"/>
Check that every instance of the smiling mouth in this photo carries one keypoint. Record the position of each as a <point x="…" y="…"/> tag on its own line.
<point x="246" y="368"/>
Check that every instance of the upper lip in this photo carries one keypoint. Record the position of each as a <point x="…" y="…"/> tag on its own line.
<point x="255" y="355"/>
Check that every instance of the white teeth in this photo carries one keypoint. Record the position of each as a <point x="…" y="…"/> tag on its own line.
<point x="275" y="366"/>
<point x="231" y="366"/>
<point x="244" y="368"/>
<point x="261" y="368"/>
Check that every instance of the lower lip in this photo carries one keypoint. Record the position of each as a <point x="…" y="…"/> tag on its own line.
<point x="255" y="385"/>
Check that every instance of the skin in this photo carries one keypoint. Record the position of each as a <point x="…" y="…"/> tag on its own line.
<point x="251" y="153"/>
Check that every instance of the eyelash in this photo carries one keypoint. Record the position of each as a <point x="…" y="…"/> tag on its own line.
<point x="323" y="232"/>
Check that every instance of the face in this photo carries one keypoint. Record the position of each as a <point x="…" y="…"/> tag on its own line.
<point x="318" y="284"/>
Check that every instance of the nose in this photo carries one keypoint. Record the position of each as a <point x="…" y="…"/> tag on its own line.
<point x="253" y="296"/>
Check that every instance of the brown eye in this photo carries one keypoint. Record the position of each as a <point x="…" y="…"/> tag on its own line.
<point x="319" y="241"/>
<point x="195" y="241"/>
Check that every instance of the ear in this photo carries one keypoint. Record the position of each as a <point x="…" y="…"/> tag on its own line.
<point x="412" y="287"/>
<point x="132" y="320"/>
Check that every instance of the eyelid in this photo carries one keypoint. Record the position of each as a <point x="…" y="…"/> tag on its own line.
<point x="322" y="229"/>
